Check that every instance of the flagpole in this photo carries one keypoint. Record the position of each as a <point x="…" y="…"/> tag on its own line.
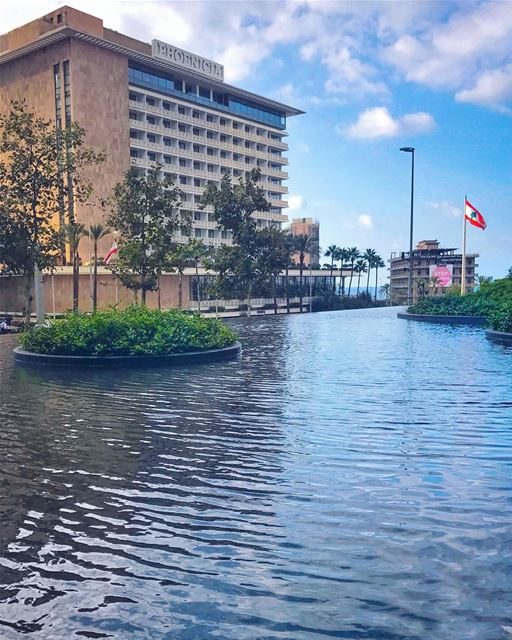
<point x="463" y="270"/>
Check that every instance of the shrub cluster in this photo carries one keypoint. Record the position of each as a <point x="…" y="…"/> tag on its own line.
<point x="493" y="300"/>
<point x="132" y="331"/>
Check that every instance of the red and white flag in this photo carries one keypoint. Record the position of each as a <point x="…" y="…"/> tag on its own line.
<point x="111" y="253"/>
<point x="473" y="216"/>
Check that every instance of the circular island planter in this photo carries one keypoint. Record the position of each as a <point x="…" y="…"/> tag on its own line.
<point x="502" y="337"/>
<point x="171" y="359"/>
<point x="475" y="321"/>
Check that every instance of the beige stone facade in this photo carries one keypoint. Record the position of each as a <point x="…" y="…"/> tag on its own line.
<point x="195" y="134"/>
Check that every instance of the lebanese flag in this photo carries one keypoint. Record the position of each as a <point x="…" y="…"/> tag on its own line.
<point x="473" y="216"/>
<point x="111" y="253"/>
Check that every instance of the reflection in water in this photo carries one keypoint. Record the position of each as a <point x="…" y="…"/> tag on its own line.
<point x="349" y="477"/>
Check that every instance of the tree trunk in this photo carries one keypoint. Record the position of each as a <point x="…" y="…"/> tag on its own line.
<point x="342" y="279"/>
<point x="142" y="295"/>
<point x="29" y="278"/>
<point x="301" y="267"/>
<point x="351" y="276"/>
<point x="287" y="276"/>
<point x="95" y="278"/>
<point x="368" y="282"/>
<point x="197" y="286"/>
<point x="158" y="296"/>
<point x="76" y="259"/>
<point x="358" y="282"/>
<point x="376" y="274"/>
<point x="274" y="295"/>
<point x="180" y="290"/>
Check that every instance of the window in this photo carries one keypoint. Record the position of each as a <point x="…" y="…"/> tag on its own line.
<point x="197" y="216"/>
<point x="133" y="135"/>
<point x="198" y="233"/>
<point x="211" y="168"/>
<point x="151" y="119"/>
<point x="204" y="93"/>
<point x="132" y="96"/>
<point x="197" y="199"/>
<point x="211" y="233"/>
<point x="236" y="141"/>
<point x="211" y="217"/>
<point x="133" y="115"/>
<point x="59" y="18"/>
<point x="197" y="182"/>
<point x="150" y="101"/>
<point x="166" y="106"/>
<point x="223" y="138"/>
<point x="247" y="145"/>
<point x="210" y="152"/>
<point x="182" y="145"/>
<point x="151" y="156"/>
<point x="209" y="118"/>
<point x="196" y="148"/>
<point x="178" y="85"/>
<point x="195" y="114"/>
<point x="236" y="157"/>
<point x="189" y="88"/>
<point x="167" y="142"/>
<point x="181" y="110"/>
<point x="235" y="125"/>
<point x="224" y="235"/>
<point x="197" y="166"/>
<point x="210" y="135"/>
<point x="183" y="180"/>
<point x="247" y="129"/>
<point x="223" y="154"/>
<point x="167" y="124"/>
<point x="222" y="122"/>
<point x="195" y="131"/>
<point x="167" y="159"/>
<point x="151" y="138"/>
<point x="183" y="163"/>
<point x="182" y="128"/>
<point x="134" y="153"/>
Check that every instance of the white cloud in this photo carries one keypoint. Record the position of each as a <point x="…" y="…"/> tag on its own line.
<point x="447" y="209"/>
<point x="377" y="122"/>
<point x="295" y="202"/>
<point x="466" y="53"/>
<point x="365" y="221"/>
<point x="492" y="89"/>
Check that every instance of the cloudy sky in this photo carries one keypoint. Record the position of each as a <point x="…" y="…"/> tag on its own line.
<point x="372" y="77"/>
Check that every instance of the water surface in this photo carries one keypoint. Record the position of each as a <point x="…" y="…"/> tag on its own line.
<point x="348" y="477"/>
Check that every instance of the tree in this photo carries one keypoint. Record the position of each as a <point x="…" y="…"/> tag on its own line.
<point x="199" y="251"/>
<point x="277" y="251"/>
<point x="333" y="252"/>
<point x="147" y="215"/>
<point x="41" y="173"/>
<point x="342" y="257"/>
<point x="385" y="291"/>
<point x="180" y="258"/>
<point x="353" y="254"/>
<point x="360" y="268"/>
<point x="242" y="265"/>
<point x="303" y="244"/>
<point x="74" y="232"/>
<point x="377" y="264"/>
<point x="97" y="232"/>
<point x="369" y="255"/>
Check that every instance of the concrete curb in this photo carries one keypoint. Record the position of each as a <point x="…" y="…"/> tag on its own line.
<point x="172" y="359"/>
<point x="502" y="337"/>
<point x="475" y="321"/>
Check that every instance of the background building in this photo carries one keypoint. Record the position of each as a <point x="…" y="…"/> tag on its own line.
<point x="146" y="103"/>
<point x="311" y="228"/>
<point x="434" y="269"/>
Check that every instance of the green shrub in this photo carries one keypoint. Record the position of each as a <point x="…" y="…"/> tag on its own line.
<point x="132" y="331"/>
<point x="485" y="302"/>
<point x="501" y="318"/>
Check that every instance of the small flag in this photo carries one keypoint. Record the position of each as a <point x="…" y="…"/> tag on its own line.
<point x="474" y="216"/>
<point x="111" y="253"/>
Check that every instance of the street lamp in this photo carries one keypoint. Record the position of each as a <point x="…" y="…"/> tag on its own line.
<point x="409" y="285"/>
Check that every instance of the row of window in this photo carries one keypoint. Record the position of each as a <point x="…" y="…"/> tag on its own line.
<point x="202" y="95"/>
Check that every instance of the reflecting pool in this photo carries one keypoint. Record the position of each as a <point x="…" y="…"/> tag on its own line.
<point x="348" y="477"/>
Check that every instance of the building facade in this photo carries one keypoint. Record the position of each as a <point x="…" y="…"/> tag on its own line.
<point x="311" y="228"/>
<point x="434" y="270"/>
<point x="144" y="104"/>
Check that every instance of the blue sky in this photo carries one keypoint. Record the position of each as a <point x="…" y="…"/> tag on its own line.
<point x="372" y="77"/>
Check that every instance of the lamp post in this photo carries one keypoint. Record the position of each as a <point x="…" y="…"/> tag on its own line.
<point x="409" y="284"/>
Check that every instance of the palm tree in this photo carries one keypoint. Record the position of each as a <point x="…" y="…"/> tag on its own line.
<point x="378" y="264"/>
<point x="333" y="252"/>
<point x="352" y="255"/>
<point x="198" y="251"/>
<point x="384" y="291"/>
<point x="342" y="257"/>
<point x="96" y="232"/>
<point x="360" y="267"/>
<point x="369" y="255"/>
<point x="74" y="232"/>
<point x="179" y="259"/>
<point x="303" y="244"/>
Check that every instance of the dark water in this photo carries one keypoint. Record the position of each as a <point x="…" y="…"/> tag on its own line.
<point x="349" y="477"/>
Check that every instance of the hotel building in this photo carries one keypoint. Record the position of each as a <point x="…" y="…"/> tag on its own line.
<point x="307" y="227"/>
<point x="429" y="259"/>
<point x="146" y="103"/>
